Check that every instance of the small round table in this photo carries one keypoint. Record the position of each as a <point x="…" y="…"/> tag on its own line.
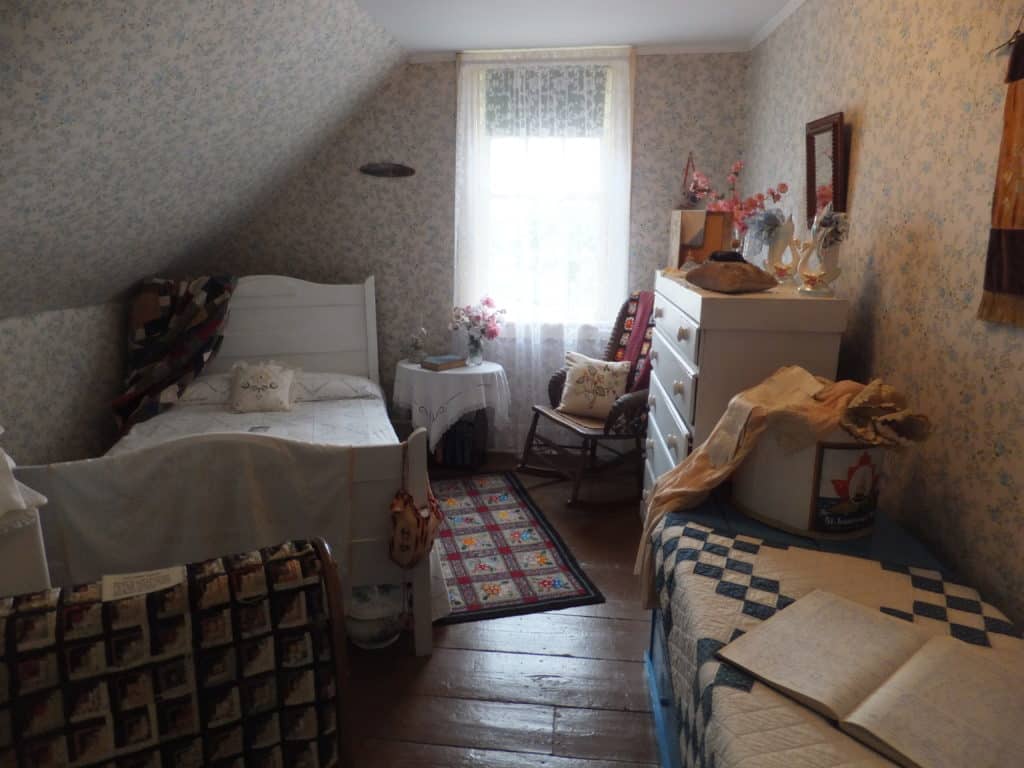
<point x="438" y="399"/>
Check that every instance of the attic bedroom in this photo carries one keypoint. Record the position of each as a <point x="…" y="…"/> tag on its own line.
<point x="465" y="383"/>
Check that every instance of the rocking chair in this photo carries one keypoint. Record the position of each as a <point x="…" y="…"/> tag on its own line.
<point x="621" y="433"/>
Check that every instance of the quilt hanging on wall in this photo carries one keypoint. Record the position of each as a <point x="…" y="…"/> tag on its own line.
<point x="1003" y="298"/>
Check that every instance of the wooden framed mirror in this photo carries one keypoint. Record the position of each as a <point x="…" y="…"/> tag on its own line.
<point x="826" y="165"/>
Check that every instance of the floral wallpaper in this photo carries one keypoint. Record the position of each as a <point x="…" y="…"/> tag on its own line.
<point x="925" y="104"/>
<point x="134" y="131"/>
<point x="682" y="103"/>
<point x="333" y="223"/>
<point x="61" y="370"/>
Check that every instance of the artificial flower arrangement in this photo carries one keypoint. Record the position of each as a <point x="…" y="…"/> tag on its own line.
<point x="743" y="208"/>
<point x="480" y="321"/>
<point x="835" y="225"/>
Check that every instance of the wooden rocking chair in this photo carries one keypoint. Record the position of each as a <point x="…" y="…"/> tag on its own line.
<point x="622" y="433"/>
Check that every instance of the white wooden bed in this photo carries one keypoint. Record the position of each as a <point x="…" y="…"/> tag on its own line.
<point x="191" y="497"/>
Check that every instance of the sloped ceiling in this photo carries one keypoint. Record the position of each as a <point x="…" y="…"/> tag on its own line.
<point x="133" y="132"/>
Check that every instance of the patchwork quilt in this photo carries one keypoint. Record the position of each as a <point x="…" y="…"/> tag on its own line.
<point x="712" y="588"/>
<point x="228" y="663"/>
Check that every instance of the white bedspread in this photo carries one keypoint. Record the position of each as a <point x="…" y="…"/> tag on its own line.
<point x="361" y="421"/>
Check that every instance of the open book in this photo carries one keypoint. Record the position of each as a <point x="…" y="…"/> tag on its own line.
<point x="922" y="701"/>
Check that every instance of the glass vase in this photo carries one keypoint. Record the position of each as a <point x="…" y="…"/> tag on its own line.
<point x="476" y="351"/>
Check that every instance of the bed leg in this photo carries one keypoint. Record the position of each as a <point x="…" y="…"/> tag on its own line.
<point x="422" y="617"/>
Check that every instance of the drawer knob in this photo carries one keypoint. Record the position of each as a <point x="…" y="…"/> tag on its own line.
<point x="673" y="442"/>
<point x="678" y="388"/>
<point x="659" y="312"/>
<point x="683" y="333"/>
<point x="650" y="444"/>
<point x="650" y="401"/>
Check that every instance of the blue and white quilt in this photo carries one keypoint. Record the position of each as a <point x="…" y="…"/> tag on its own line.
<point x="713" y="587"/>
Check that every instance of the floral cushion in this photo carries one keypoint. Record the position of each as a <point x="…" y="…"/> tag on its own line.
<point x="261" y="387"/>
<point x="592" y="386"/>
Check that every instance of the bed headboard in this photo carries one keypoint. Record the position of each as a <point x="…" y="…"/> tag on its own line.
<point x="312" y="326"/>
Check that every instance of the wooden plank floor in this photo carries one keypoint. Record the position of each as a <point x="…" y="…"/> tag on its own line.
<point x="563" y="689"/>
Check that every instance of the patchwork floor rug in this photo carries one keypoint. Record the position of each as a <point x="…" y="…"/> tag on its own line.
<point x="500" y="556"/>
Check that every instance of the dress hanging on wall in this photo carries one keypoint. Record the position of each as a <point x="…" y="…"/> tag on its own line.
<point x="1003" y="299"/>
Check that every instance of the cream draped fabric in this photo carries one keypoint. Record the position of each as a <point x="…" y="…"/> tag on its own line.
<point x="543" y="167"/>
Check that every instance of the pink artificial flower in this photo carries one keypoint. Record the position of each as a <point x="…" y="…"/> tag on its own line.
<point x="760" y="196"/>
<point x="732" y="179"/>
<point x="491" y="331"/>
<point x="737" y="166"/>
<point x="487" y="301"/>
<point x="783" y="188"/>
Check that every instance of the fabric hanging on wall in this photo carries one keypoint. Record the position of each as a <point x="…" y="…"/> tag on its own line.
<point x="1003" y="299"/>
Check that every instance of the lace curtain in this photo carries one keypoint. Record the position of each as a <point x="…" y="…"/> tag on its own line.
<point x="542" y="205"/>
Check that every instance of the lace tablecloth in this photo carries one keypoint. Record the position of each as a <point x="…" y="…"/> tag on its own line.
<point x="438" y="399"/>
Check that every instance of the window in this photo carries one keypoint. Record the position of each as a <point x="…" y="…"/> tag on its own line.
<point x="543" y="174"/>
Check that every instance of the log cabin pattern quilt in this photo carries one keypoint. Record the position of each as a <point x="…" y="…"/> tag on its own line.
<point x="712" y="588"/>
<point x="232" y="666"/>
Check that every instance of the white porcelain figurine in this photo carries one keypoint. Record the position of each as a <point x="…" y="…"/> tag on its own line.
<point x="819" y="281"/>
<point x="781" y="270"/>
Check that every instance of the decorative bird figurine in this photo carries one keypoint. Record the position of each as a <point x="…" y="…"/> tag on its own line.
<point x="819" y="281"/>
<point x="782" y="270"/>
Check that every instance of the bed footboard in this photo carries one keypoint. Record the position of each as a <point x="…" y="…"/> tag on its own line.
<point x="196" y="497"/>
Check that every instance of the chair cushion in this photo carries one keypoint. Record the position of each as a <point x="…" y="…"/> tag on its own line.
<point x="582" y="425"/>
<point x="592" y="386"/>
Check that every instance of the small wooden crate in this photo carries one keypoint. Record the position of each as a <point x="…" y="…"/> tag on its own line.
<point x="695" y="235"/>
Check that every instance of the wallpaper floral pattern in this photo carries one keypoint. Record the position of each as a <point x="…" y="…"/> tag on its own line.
<point x="333" y="223"/>
<point x="682" y="103"/>
<point x="131" y="134"/>
<point x="925" y="103"/>
<point x="133" y="131"/>
<point x="61" y="370"/>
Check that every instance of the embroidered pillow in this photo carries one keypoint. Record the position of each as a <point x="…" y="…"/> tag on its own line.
<point x="261" y="387"/>
<point x="592" y="386"/>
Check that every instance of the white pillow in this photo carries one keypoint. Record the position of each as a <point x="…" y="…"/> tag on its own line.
<point x="311" y="387"/>
<point x="215" y="388"/>
<point x="592" y="386"/>
<point x="261" y="387"/>
<point x="208" y="389"/>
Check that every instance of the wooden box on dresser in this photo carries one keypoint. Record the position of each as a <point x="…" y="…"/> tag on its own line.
<point x="708" y="346"/>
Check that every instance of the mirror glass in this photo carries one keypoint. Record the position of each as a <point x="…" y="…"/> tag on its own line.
<point x="824" y="191"/>
<point x="826" y="165"/>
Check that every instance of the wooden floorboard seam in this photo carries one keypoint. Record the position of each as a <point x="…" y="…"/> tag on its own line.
<point x="513" y="751"/>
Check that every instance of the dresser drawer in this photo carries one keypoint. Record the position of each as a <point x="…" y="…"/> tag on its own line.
<point x="667" y="450"/>
<point x="673" y="431"/>
<point x="677" y="379"/>
<point x="679" y="328"/>
<point x="649" y="480"/>
<point x="657" y="451"/>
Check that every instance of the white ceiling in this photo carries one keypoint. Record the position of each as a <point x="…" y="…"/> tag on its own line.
<point x="444" y="26"/>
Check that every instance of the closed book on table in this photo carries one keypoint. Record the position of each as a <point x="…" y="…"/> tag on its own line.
<point x="443" y="362"/>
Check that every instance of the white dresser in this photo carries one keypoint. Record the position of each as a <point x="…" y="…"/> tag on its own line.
<point x="709" y="346"/>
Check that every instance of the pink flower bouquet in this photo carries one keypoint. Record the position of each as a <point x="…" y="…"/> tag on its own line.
<point x="480" y="321"/>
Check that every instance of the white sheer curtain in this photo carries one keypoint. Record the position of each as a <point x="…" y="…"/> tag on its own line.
<point x="542" y="205"/>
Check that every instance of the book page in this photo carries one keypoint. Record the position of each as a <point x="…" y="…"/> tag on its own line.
<point x="950" y="705"/>
<point x="827" y="652"/>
